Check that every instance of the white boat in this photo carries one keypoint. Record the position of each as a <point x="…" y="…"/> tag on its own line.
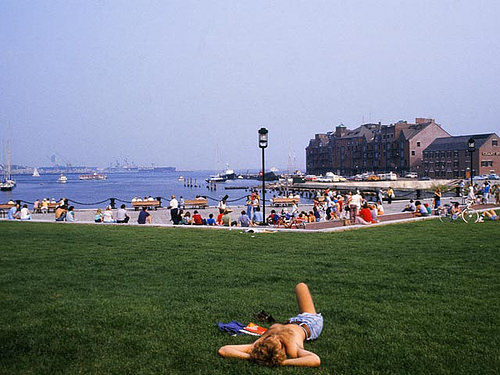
<point x="228" y="174"/>
<point x="62" y="179"/>
<point x="216" y="178"/>
<point x="180" y="178"/>
<point x="7" y="185"/>
<point x="36" y="173"/>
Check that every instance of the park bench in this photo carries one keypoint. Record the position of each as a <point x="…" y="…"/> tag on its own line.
<point x="149" y="204"/>
<point x="196" y="203"/>
<point x="5" y="207"/>
<point x="284" y="201"/>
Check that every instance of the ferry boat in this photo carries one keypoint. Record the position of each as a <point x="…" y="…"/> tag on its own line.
<point x="93" y="176"/>
<point x="228" y="174"/>
<point x="62" y="179"/>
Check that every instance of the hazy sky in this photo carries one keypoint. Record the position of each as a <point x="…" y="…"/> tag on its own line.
<point x="169" y="82"/>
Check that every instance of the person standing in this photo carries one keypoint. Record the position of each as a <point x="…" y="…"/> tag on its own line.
<point x="390" y="195"/>
<point x="355" y="205"/>
<point x="174" y="210"/>
<point x="437" y="200"/>
<point x="249" y="204"/>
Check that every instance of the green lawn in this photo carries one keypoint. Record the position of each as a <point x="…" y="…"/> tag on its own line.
<point x="417" y="298"/>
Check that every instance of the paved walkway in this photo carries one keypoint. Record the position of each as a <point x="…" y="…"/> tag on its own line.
<point x="161" y="217"/>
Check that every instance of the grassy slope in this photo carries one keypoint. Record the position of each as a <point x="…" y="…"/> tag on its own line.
<point x="415" y="298"/>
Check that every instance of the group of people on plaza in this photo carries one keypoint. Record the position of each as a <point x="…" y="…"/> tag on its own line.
<point x="328" y="205"/>
<point x="250" y="217"/>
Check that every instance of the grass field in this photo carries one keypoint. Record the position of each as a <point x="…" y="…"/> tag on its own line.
<point x="417" y="298"/>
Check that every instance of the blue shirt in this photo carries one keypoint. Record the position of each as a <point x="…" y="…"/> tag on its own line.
<point x="257" y="217"/>
<point x="244" y="221"/>
<point x="11" y="213"/>
<point x="210" y="221"/>
<point x="142" y="217"/>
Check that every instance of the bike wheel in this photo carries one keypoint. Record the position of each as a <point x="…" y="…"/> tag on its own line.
<point x="444" y="215"/>
<point x="469" y="216"/>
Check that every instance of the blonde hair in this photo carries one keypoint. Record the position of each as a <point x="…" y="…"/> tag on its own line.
<point x="268" y="352"/>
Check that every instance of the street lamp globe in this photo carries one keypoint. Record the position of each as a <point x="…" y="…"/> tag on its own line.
<point x="263" y="137"/>
<point x="472" y="145"/>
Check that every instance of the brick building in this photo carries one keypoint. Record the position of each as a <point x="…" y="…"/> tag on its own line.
<point x="372" y="147"/>
<point x="449" y="157"/>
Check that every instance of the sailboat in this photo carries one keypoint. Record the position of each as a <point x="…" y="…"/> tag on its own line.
<point x="7" y="183"/>
<point x="36" y="173"/>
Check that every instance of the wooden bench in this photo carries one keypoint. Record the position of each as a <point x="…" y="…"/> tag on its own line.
<point x="149" y="204"/>
<point x="284" y="201"/>
<point x="5" y="207"/>
<point x="196" y="203"/>
<point x="51" y="206"/>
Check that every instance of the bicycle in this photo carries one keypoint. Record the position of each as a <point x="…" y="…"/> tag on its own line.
<point x="447" y="213"/>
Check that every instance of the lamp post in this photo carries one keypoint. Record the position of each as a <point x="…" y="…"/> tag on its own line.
<point x="263" y="144"/>
<point x="472" y="148"/>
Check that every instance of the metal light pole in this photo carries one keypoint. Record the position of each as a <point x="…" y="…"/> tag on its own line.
<point x="263" y="144"/>
<point x="472" y="148"/>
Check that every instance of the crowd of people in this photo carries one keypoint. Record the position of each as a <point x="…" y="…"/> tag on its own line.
<point x="328" y="205"/>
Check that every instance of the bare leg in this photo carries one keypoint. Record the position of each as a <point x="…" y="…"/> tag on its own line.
<point x="304" y="299"/>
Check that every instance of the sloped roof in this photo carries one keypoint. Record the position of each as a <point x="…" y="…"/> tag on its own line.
<point x="413" y="129"/>
<point x="367" y="130"/>
<point x="460" y="142"/>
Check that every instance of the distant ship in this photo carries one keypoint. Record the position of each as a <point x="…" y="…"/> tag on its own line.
<point x="228" y="174"/>
<point x="62" y="179"/>
<point x="93" y="176"/>
<point x="36" y="173"/>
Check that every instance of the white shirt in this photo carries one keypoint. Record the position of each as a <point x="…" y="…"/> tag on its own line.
<point x="173" y="203"/>
<point x="25" y="214"/>
<point x="356" y="200"/>
<point x="108" y="216"/>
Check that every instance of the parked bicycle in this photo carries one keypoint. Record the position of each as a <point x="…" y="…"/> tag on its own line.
<point x="455" y="211"/>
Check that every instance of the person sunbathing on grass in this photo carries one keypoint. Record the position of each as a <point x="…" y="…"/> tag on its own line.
<point x="283" y="344"/>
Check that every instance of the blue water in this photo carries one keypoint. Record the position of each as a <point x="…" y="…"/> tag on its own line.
<point x="125" y="186"/>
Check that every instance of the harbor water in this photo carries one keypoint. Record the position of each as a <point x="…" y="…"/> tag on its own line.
<point x="125" y="186"/>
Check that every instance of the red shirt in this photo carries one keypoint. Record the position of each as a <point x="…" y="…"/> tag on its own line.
<point x="366" y="214"/>
<point x="197" y="219"/>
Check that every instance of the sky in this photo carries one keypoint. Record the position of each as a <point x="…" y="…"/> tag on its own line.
<point x="189" y="83"/>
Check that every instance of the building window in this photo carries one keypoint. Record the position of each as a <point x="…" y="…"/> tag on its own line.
<point x="486" y="163"/>
<point x="413" y="153"/>
<point x="418" y="144"/>
<point x="494" y="142"/>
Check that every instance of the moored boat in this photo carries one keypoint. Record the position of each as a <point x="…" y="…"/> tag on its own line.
<point x="7" y="185"/>
<point x="36" y="173"/>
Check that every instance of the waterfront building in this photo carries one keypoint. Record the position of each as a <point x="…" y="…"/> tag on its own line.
<point x="449" y="157"/>
<point x="374" y="148"/>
